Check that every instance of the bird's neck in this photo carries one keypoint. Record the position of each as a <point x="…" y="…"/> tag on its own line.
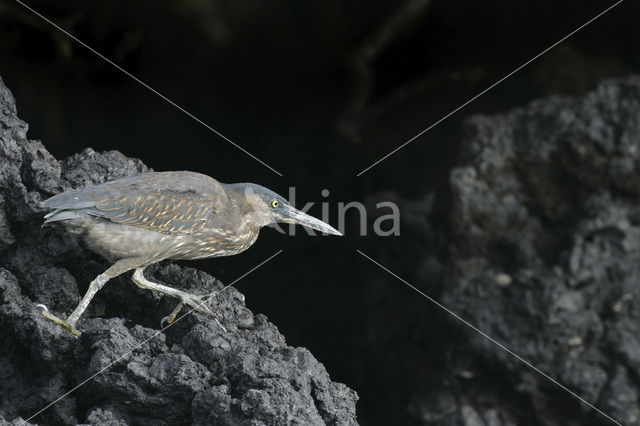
<point x="248" y="207"/>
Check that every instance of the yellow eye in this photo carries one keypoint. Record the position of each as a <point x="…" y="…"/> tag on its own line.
<point x="275" y="203"/>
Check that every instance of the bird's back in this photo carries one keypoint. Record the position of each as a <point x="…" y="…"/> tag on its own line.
<point x="168" y="202"/>
<point x="154" y="216"/>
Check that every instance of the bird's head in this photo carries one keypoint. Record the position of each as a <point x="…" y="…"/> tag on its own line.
<point x="270" y="207"/>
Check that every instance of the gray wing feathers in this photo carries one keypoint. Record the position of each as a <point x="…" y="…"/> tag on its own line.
<point x="172" y="202"/>
<point x="179" y="182"/>
<point x="69" y="200"/>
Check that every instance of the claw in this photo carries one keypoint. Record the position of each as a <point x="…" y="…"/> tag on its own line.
<point x="51" y="317"/>
<point x="205" y="310"/>
<point x="220" y="325"/>
<point x="197" y="303"/>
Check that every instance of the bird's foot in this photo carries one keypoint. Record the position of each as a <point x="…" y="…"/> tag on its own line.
<point x="48" y="315"/>
<point x="197" y="303"/>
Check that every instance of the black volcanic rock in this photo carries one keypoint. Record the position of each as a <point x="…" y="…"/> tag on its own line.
<point x="543" y="254"/>
<point x="126" y="370"/>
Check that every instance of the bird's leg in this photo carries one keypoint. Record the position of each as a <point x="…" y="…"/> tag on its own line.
<point x="197" y="303"/>
<point x="116" y="269"/>
<point x="70" y="323"/>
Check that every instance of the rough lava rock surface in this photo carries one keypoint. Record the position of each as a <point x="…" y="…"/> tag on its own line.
<point x="543" y="254"/>
<point x="192" y="373"/>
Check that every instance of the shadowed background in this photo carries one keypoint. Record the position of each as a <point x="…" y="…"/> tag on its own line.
<point x="318" y="90"/>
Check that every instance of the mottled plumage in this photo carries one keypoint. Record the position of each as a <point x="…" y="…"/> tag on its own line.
<point x="141" y="220"/>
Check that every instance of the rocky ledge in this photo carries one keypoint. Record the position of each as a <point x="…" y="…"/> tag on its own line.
<point x="123" y="369"/>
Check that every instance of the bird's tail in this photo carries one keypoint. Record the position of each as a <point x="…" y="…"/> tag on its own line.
<point x="60" y="215"/>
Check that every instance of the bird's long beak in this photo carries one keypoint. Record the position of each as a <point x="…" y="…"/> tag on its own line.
<point x="291" y="215"/>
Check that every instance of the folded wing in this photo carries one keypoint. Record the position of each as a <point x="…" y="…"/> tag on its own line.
<point x="169" y="202"/>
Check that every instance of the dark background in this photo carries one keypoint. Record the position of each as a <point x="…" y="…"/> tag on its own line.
<point x="318" y="90"/>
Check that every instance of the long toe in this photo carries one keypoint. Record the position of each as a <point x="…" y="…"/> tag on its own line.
<point x="51" y="317"/>
<point x="169" y="319"/>
<point x="203" y="308"/>
<point x="199" y="305"/>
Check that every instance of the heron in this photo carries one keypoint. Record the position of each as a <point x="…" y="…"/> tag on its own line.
<point x="140" y="220"/>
